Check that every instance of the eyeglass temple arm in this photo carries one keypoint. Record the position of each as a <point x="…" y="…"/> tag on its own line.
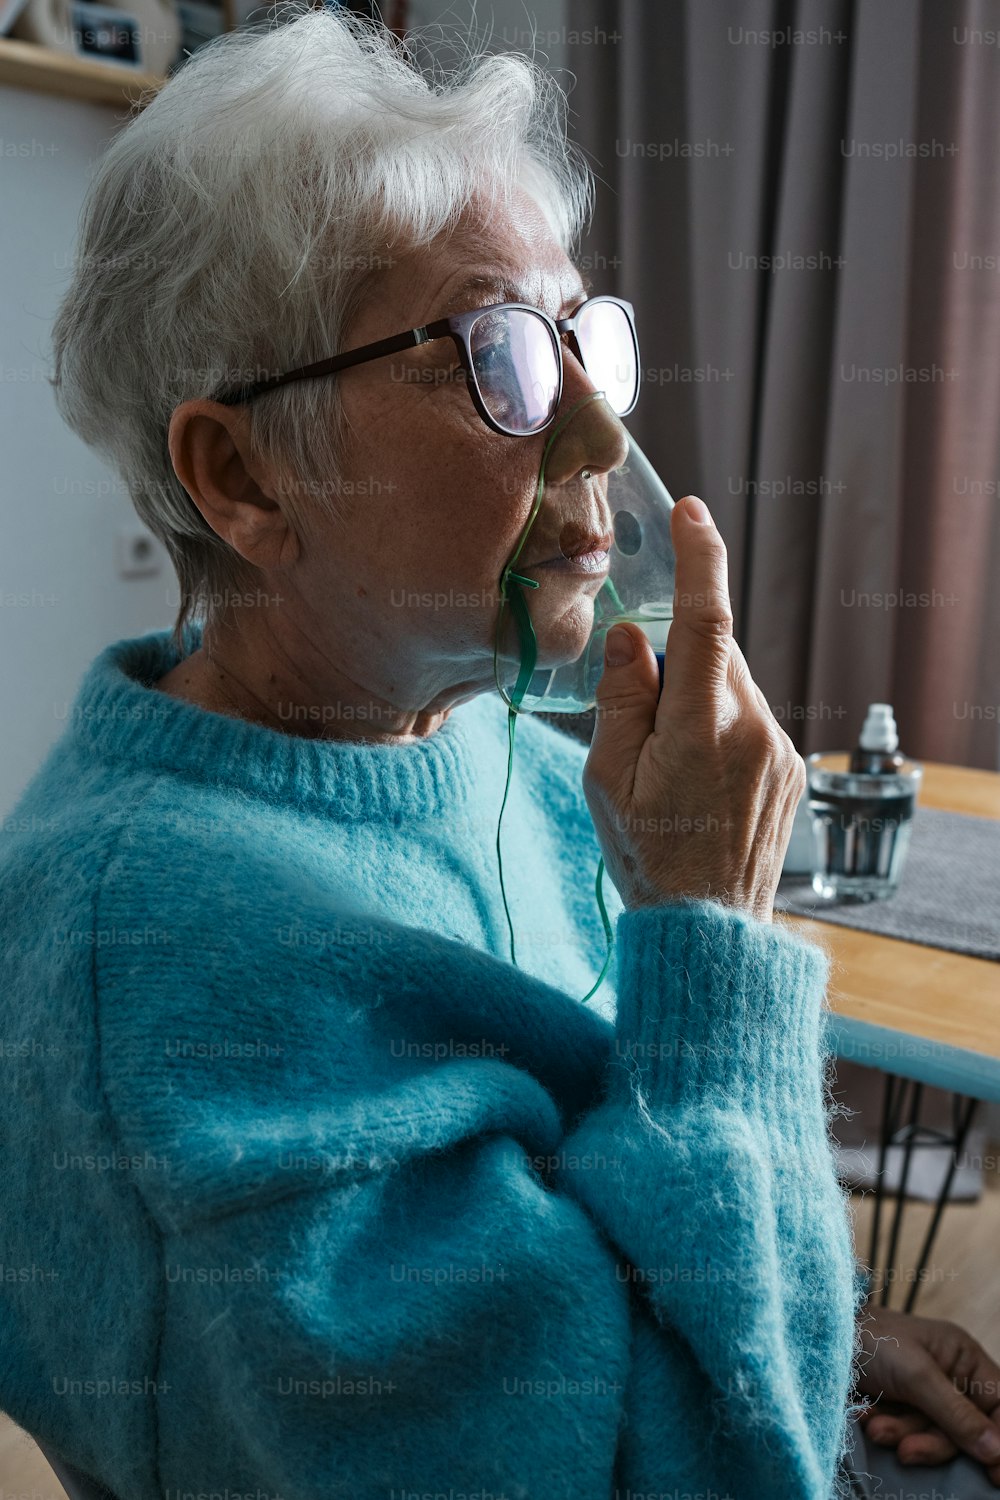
<point x="381" y="347"/>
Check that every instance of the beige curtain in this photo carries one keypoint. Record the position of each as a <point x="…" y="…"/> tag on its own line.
<point x="802" y="199"/>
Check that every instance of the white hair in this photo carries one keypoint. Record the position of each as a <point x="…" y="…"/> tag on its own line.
<point x="233" y="226"/>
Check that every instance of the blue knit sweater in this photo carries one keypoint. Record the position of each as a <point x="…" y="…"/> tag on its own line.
<point x="308" y="1192"/>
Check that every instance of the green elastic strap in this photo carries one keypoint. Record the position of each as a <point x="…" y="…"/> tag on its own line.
<point x="511" y="592"/>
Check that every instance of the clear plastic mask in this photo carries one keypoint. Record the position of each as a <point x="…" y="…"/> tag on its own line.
<point x="554" y="616"/>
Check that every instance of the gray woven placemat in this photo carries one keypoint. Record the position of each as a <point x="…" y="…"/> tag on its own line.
<point x="949" y="891"/>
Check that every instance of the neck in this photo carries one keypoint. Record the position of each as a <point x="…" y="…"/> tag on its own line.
<point x="290" y="686"/>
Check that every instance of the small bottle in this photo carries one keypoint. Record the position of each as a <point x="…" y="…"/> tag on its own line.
<point x="876" y="753"/>
<point x="862" y="817"/>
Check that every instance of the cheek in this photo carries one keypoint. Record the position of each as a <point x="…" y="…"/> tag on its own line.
<point x="449" y="503"/>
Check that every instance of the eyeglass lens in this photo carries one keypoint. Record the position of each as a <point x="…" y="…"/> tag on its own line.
<point x="516" y="362"/>
<point x="608" y="349"/>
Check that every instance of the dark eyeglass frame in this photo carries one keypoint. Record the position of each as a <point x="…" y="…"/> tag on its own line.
<point x="457" y="327"/>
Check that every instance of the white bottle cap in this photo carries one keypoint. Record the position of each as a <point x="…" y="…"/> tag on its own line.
<point x="879" y="731"/>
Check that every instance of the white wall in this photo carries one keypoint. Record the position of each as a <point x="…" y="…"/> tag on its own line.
<point x="61" y="599"/>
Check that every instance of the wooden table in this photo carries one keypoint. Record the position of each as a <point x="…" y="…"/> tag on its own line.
<point x="917" y="1013"/>
<point x="907" y="1008"/>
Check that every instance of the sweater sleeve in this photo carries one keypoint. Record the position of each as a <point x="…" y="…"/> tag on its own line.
<point x="406" y="1248"/>
<point x="724" y="1204"/>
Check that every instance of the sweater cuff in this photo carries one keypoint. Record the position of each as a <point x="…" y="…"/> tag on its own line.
<point x="715" y="1004"/>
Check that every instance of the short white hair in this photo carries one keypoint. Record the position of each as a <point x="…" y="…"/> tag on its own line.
<point x="232" y="228"/>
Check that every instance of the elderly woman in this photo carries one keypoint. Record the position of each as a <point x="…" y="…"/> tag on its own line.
<point x="330" y="1197"/>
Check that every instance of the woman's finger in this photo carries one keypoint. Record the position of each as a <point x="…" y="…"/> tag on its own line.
<point x="977" y="1376"/>
<point x="696" y="664"/>
<point x="888" y="1430"/>
<point x="954" y="1412"/>
<point x="930" y="1447"/>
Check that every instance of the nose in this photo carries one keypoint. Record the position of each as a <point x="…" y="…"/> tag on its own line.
<point x="592" y="439"/>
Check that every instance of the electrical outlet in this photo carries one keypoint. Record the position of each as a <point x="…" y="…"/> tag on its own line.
<point x="137" y="552"/>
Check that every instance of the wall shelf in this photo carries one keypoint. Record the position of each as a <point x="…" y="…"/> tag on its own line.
<point x="28" y="65"/>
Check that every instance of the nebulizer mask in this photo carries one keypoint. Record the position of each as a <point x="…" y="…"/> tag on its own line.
<point x="556" y="608"/>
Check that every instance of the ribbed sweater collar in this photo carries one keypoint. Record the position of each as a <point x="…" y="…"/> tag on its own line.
<point x="123" y="719"/>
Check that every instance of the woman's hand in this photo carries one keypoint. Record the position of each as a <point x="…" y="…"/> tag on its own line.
<point x="692" y="791"/>
<point x="938" y="1390"/>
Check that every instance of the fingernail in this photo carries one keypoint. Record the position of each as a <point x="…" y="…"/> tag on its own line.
<point x="619" y="648"/>
<point x="987" y="1447"/>
<point x="697" y="510"/>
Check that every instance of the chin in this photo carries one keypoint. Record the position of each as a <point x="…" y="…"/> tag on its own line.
<point x="563" y="622"/>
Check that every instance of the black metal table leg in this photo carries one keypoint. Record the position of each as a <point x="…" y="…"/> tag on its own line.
<point x="897" y="1220"/>
<point x="895" y="1132"/>
<point x="963" y="1131"/>
<point x="891" y="1097"/>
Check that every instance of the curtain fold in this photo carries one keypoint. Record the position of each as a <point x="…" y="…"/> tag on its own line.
<point x="800" y="198"/>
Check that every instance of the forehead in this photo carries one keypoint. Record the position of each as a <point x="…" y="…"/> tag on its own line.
<point x="515" y="241"/>
<point x="499" y="252"/>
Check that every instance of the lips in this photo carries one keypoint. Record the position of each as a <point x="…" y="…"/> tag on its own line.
<point x="594" y="541"/>
<point x="575" y="541"/>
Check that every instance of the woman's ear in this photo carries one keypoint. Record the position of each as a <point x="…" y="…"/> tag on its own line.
<point x="209" y="446"/>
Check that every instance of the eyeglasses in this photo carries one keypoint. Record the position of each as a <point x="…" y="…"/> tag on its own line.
<point x="512" y="356"/>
